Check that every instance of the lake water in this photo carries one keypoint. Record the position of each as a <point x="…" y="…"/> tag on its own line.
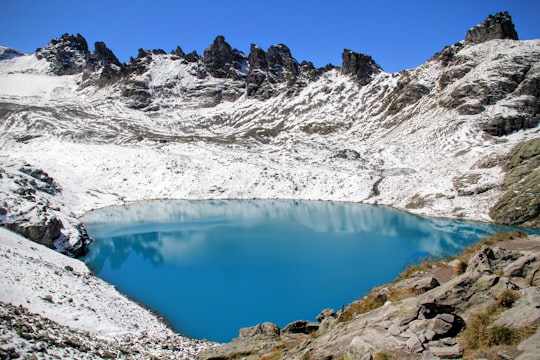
<point x="213" y="267"/>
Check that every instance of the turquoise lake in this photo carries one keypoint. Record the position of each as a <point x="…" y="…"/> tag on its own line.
<point x="213" y="267"/>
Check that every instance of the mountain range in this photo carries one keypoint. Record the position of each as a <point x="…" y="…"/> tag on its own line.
<point x="455" y="137"/>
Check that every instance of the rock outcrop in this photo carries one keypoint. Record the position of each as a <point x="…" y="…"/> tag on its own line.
<point x="67" y="55"/>
<point x="268" y="70"/>
<point x="520" y="204"/>
<point x="222" y="61"/>
<point x="28" y="207"/>
<point x="361" y="66"/>
<point x="8" y="53"/>
<point x="498" y="26"/>
<point x="428" y="322"/>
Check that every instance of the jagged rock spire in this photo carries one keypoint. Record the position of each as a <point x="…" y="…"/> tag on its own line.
<point x="360" y="65"/>
<point x="498" y="26"/>
<point x="222" y="61"/>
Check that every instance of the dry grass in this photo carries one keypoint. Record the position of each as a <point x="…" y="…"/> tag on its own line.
<point x="481" y="335"/>
<point x="375" y="299"/>
<point x="379" y="296"/>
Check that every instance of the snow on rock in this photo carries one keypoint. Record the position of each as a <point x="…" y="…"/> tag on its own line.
<point x="430" y="140"/>
<point x="61" y="289"/>
<point x="30" y="206"/>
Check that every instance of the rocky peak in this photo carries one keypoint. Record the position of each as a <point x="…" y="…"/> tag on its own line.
<point x="281" y="65"/>
<point x="68" y="54"/>
<point x="360" y="65"/>
<point x="222" y="61"/>
<point x="178" y="52"/>
<point x="103" y="56"/>
<point x="8" y="53"/>
<point x="498" y="26"/>
<point x="272" y="67"/>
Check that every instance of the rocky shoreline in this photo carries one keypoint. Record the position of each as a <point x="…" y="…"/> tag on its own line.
<point x="431" y="313"/>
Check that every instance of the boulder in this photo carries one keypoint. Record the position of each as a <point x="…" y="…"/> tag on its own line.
<point x="301" y="327"/>
<point x="480" y="262"/>
<point x="325" y="314"/>
<point x="447" y="352"/>
<point x="517" y="268"/>
<point x="264" y="331"/>
<point x="414" y="344"/>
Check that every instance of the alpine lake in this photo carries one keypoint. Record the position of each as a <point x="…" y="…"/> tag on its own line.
<point x="213" y="267"/>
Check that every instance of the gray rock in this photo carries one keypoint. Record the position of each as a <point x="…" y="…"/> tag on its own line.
<point x="301" y="327"/>
<point x="394" y="330"/>
<point x="449" y="318"/>
<point x="498" y="26"/>
<point x="266" y="330"/>
<point x="414" y="344"/>
<point x="428" y="355"/>
<point x="325" y="314"/>
<point x="447" y="352"/>
<point x="440" y="327"/>
<point x="517" y="268"/>
<point x="362" y="66"/>
<point x="480" y="262"/>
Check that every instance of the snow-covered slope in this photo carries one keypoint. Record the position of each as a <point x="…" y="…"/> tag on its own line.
<point x="80" y="131"/>
<point x="97" y="320"/>
<point x="417" y="140"/>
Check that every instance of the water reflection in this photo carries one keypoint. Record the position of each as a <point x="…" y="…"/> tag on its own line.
<point x="238" y="263"/>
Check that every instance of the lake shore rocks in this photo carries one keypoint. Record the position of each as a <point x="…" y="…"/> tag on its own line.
<point x="426" y="323"/>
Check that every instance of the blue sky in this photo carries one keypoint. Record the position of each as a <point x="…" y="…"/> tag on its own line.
<point x="397" y="34"/>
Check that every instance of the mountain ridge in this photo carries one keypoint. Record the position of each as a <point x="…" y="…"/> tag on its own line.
<point x="427" y="140"/>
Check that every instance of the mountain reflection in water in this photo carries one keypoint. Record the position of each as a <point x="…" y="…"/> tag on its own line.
<point x="212" y="267"/>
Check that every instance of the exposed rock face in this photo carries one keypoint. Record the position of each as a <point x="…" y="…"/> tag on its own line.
<point x="67" y="55"/>
<point x="426" y="325"/>
<point x="520" y="204"/>
<point x="7" y="53"/>
<point x="360" y="65"/>
<point x="499" y="26"/>
<point x="28" y="207"/>
<point x="222" y="61"/>
<point x="269" y="69"/>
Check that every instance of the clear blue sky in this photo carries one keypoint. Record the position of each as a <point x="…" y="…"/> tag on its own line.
<point x="398" y="34"/>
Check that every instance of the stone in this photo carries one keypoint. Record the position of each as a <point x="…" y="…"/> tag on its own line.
<point x="480" y="262"/>
<point x="449" y="318"/>
<point x="301" y="327"/>
<point x="326" y="313"/>
<point x="362" y="66"/>
<point x="414" y="344"/>
<point x="428" y="355"/>
<point x="418" y="326"/>
<point x="266" y="330"/>
<point x="440" y="327"/>
<point x="517" y="268"/>
<point x="447" y="352"/>
<point x="425" y="284"/>
<point x="429" y="310"/>
<point x="429" y="334"/>
<point x="498" y="26"/>
<point x="394" y="330"/>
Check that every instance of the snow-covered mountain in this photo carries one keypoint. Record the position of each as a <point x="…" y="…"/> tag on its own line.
<point x="431" y="140"/>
